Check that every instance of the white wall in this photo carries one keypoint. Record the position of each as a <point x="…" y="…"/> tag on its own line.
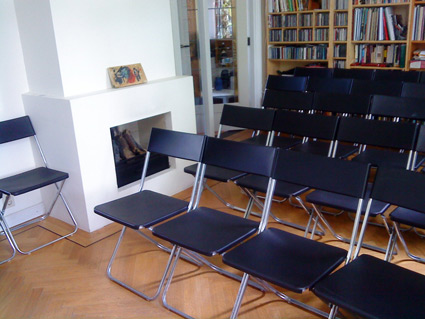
<point x="18" y="156"/>
<point x="69" y="44"/>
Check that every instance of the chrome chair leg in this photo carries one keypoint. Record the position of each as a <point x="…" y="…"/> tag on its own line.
<point x="6" y="234"/>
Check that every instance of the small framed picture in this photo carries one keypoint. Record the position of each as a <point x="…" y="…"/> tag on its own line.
<point x="126" y="75"/>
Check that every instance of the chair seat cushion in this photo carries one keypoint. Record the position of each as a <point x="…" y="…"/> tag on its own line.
<point x="285" y="259"/>
<point x="206" y="231"/>
<point x="216" y="173"/>
<point x="380" y="158"/>
<point x="345" y="202"/>
<point x="373" y="288"/>
<point x="142" y="209"/>
<point x="28" y="181"/>
<point x="409" y="217"/>
<point x="259" y="183"/>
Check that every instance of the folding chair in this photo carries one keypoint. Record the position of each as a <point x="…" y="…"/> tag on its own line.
<point x="389" y="137"/>
<point x="370" y="87"/>
<point x="397" y="75"/>
<point x="400" y="108"/>
<point x="316" y="72"/>
<point x="373" y="288"/>
<point x="407" y="217"/>
<point x="370" y="132"/>
<point x="359" y="74"/>
<point x="329" y="85"/>
<point x="304" y="126"/>
<point x="242" y="117"/>
<point x="146" y="208"/>
<point x="286" y="83"/>
<point x="341" y="103"/>
<point x="416" y="90"/>
<point x="288" y="100"/>
<point x="298" y="263"/>
<point x="206" y="231"/>
<point x="37" y="178"/>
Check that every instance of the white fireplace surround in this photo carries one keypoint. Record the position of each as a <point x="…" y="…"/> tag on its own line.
<point x="75" y="135"/>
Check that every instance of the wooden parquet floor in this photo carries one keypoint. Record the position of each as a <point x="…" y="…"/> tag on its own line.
<point x="68" y="279"/>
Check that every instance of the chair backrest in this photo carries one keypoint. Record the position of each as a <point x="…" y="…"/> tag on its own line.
<point x="416" y="90"/>
<point x="247" y="117"/>
<point x="176" y="144"/>
<point x="399" y="135"/>
<point x="320" y="172"/>
<point x="319" y="72"/>
<point x="15" y="129"/>
<point x="394" y="106"/>
<point x="371" y="87"/>
<point x="286" y="83"/>
<point x="306" y="125"/>
<point x="400" y="187"/>
<point x="301" y="101"/>
<point x="329" y="85"/>
<point x="397" y="75"/>
<point x="342" y="103"/>
<point x="360" y="74"/>
<point x="243" y="157"/>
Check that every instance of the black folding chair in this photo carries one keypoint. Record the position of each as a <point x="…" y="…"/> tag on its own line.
<point x="289" y="261"/>
<point x="359" y="74"/>
<point x="30" y="180"/>
<point x="391" y="136"/>
<point x="286" y="83"/>
<point x="316" y="72"/>
<point x="400" y="108"/>
<point x="370" y="87"/>
<point x="372" y="288"/>
<point x="397" y="75"/>
<point x="258" y="120"/>
<point x="288" y="100"/>
<point x="408" y="217"/>
<point x="416" y="90"/>
<point x="329" y="85"/>
<point x="146" y="208"/>
<point x="206" y="231"/>
<point x="304" y="126"/>
<point x="342" y="104"/>
<point x="388" y="137"/>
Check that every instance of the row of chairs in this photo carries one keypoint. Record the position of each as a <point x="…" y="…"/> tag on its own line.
<point x="345" y="85"/>
<point x="270" y="256"/>
<point x="362" y="74"/>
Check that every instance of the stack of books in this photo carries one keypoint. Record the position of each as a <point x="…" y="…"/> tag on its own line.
<point x="418" y="60"/>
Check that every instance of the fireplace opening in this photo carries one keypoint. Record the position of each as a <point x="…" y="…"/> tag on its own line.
<point x="129" y="143"/>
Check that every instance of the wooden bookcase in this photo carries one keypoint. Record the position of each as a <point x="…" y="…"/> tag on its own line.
<point x="351" y="35"/>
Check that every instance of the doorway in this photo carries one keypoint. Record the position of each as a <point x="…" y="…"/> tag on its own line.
<point x="215" y="48"/>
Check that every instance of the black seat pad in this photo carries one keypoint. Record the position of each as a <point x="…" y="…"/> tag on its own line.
<point x="285" y="259"/>
<point x="345" y="202"/>
<point x="383" y="158"/>
<point x="30" y="180"/>
<point x="260" y="183"/>
<point x="373" y="288"/>
<point x="216" y="173"/>
<point x="142" y="209"/>
<point x="260" y="139"/>
<point x="206" y="231"/>
<point x="313" y="147"/>
<point x="408" y="217"/>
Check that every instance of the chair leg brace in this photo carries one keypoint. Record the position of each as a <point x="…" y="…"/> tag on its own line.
<point x="9" y="230"/>
<point x="135" y="291"/>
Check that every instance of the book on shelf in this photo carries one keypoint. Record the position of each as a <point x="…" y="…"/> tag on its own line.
<point x="391" y="54"/>
<point x="417" y="64"/>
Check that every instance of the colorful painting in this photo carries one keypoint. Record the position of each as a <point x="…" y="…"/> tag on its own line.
<point x="126" y="75"/>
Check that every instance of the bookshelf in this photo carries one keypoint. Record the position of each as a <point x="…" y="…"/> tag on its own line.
<point x="344" y="33"/>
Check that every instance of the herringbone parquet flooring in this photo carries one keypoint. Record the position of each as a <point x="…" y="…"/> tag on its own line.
<point x="68" y="279"/>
